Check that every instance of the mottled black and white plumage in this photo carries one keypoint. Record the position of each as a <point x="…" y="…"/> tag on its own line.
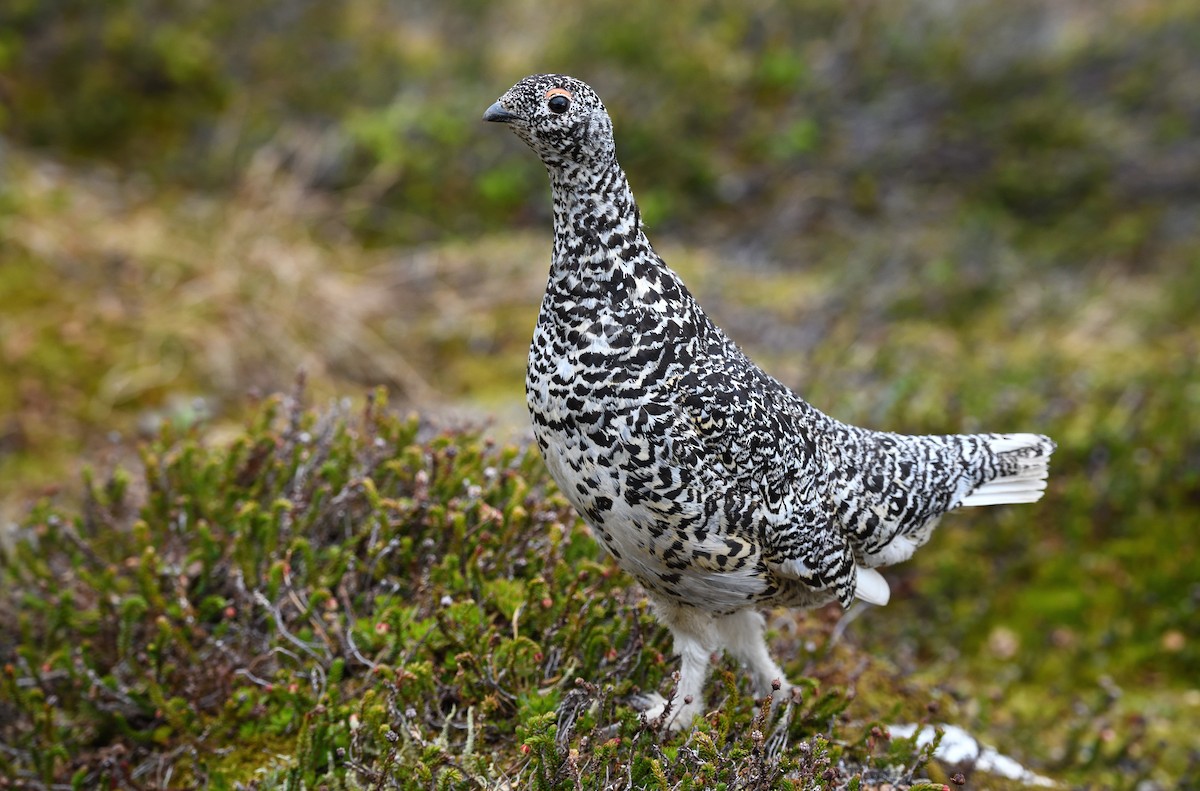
<point x="713" y="484"/>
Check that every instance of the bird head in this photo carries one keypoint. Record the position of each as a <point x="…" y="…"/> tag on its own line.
<point x="560" y="118"/>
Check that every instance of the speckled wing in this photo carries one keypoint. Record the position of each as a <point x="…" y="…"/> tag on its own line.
<point x="890" y="490"/>
<point x="755" y="434"/>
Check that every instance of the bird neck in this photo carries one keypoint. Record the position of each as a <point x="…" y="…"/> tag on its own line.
<point x="597" y="228"/>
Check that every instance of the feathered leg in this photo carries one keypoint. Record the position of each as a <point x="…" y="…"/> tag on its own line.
<point x="743" y="635"/>
<point x="696" y="638"/>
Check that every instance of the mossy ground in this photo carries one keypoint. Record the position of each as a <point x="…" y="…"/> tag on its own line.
<point x="973" y="219"/>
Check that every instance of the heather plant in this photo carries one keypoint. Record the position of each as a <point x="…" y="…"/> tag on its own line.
<point x="353" y="599"/>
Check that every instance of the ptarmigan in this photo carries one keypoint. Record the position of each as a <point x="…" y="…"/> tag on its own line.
<point x="715" y="486"/>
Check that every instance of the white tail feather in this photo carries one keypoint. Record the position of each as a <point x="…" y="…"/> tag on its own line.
<point x="1006" y="442"/>
<point x="1012" y="486"/>
<point x="1001" y="499"/>
<point x="1027" y="484"/>
<point x="870" y="586"/>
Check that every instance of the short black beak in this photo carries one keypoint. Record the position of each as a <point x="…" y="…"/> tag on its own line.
<point x="498" y="113"/>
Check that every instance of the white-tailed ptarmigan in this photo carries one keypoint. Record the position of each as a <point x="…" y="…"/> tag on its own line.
<point x="719" y="489"/>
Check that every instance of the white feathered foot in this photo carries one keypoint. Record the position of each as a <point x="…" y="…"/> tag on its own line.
<point x="698" y="636"/>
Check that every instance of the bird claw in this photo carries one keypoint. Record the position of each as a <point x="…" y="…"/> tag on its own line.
<point x="659" y="712"/>
<point x="654" y="710"/>
<point x="646" y="701"/>
<point x="779" y="737"/>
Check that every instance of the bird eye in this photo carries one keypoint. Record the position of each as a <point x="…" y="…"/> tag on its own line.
<point x="558" y="104"/>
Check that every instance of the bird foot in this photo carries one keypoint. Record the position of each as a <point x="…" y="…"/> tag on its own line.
<point x="778" y="690"/>
<point x="658" y="712"/>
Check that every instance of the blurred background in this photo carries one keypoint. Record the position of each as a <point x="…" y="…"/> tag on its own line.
<point x="924" y="216"/>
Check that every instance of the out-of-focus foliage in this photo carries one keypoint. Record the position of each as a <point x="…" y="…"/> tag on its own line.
<point x="1059" y="114"/>
<point x="923" y="216"/>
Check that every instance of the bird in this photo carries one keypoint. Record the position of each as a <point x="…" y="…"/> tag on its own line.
<point x="719" y="489"/>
